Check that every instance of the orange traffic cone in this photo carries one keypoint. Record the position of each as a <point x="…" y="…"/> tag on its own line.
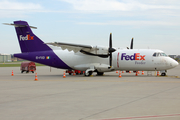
<point x="116" y="71"/>
<point x="12" y="73"/>
<point x="74" y="73"/>
<point x="122" y="71"/>
<point x="64" y="75"/>
<point x="157" y="73"/>
<point x="36" y="79"/>
<point x="129" y="71"/>
<point x="142" y="72"/>
<point x="119" y="74"/>
<point x="136" y="73"/>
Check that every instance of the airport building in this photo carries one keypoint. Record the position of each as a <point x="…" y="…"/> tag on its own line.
<point x="172" y="56"/>
<point x="5" y="58"/>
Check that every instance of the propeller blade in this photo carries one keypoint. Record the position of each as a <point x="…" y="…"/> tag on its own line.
<point x="110" y="50"/>
<point x="110" y="47"/>
<point x="110" y="44"/>
<point x="110" y="60"/>
<point x="131" y="46"/>
<point x="110" y="40"/>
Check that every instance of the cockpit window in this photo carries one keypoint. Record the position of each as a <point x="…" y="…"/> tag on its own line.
<point x="159" y="54"/>
<point x="163" y="54"/>
<point x="154" y="54"/>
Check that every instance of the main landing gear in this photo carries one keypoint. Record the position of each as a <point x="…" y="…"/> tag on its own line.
<point x="89" y="73"/>
<point x="100" y="73"/>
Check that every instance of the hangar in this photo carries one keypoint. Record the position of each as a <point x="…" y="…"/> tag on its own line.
<point x="5" y="58"/>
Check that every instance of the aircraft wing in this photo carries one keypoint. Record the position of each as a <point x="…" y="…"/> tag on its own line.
<point x="85" y="49"/>
<point x="72" y="47"/>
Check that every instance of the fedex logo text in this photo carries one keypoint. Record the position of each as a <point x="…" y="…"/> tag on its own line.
<point x="27" y="37"/>
<point x="136" y="56"/>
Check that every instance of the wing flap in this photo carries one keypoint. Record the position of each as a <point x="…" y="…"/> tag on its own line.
<point x="71" y="47"/>
<point x="100" y="51"/>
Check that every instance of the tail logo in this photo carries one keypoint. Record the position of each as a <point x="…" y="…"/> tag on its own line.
<point x="27" y="37"/>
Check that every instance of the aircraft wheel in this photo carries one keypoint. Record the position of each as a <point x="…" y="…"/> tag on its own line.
<point x="89" y="73"/>
<point x="69" y="73"/>
<point x="100" y="73"/>
<point x="163" y="74"/>
<point x="22" y="71"/>
<point x="27" y="71"/>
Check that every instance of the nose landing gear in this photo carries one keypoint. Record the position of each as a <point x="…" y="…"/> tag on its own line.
<point x="163" y="72"/>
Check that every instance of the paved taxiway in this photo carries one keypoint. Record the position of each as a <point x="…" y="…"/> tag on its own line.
<point x="53" y="97"/>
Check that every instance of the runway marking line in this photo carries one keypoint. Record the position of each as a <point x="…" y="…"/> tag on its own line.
<point x="175" y="76"/>
<point x="153" y="116"/>
<point x="98" y="81"/>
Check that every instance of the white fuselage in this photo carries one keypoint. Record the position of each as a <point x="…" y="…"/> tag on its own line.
<point x="122" y="59"/>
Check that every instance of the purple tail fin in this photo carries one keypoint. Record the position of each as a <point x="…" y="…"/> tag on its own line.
<point x="27" y="40"/>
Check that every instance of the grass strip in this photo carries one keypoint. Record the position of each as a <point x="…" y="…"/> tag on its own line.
<point x="17" y="65"/>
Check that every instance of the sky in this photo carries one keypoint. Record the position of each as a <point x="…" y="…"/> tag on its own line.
<point x="154" y="24"/>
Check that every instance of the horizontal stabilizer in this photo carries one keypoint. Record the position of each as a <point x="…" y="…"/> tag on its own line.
<point x="17" y="25"/>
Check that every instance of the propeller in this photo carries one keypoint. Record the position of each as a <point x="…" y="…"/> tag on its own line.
<point x="131" y="46"/>
<point x="110" y="50"/>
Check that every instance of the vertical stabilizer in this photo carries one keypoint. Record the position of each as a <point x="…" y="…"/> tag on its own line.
<point x="27" y="40"/>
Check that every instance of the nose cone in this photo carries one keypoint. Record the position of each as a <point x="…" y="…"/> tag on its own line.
<point x="174" y="63"/>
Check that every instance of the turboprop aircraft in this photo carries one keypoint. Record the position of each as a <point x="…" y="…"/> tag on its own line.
<point x="88" y="58"/>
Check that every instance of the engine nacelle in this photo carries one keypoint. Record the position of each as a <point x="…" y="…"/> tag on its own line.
<point x="103" y="68"/>
<point x="101" y="50"/>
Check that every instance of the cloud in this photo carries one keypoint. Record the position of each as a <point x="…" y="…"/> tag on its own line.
<point x="11" y="9"/>
<point x="7" y="5"/>
<point x="137" y="13"/>
<point x="124" y="5"/>
<point x="133" y="23"/>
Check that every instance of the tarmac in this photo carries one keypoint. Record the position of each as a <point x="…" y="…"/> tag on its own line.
<point x="108" y="97"/>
